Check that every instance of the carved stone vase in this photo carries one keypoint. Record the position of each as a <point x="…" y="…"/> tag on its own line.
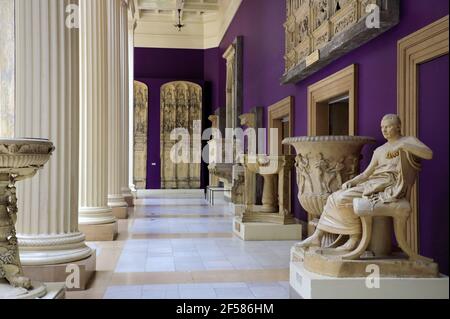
<point x="275" y="171"/>
<point x="20" y="159"/>
<point x="323" y="164"/>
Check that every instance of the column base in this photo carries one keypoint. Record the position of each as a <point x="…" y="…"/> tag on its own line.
<point x="57" y="273"/>
<point x="266" y="231"/>
<point x="100" y="232"/>
<point x="308" y="285"/>
<point x="129" y="199"/>
<point x="39" y="291"/>
<point x="120" y="212"/>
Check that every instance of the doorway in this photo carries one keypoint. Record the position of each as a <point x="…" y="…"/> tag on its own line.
<point x="280" y="118"/>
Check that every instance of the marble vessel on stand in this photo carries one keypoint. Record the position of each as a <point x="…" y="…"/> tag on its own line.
<point x="272" y="220"/>
<point x="20" y="159"/>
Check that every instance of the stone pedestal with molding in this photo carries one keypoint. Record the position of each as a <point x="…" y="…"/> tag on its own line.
<point x="307" y="285"/>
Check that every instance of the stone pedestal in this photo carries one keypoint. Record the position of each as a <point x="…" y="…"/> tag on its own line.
<point x="266" y="231"/>
<point x="275" y="204"/>
<point x="100" y="232"/>
<point x="39" y="291"/>
<point x="308" y="285"/>
<point x="120" y="212"/>
<point x="59" y="273"/>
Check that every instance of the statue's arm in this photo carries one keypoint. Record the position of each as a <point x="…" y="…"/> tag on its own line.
<point x="417" y="148"/>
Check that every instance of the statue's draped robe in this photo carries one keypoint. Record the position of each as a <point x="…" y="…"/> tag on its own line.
<point x="387" y="178"/>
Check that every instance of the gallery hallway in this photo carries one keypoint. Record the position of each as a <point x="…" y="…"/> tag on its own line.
<point x="184" y="248"/>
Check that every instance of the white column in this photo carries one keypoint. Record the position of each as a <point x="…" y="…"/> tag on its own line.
<point x="124" y="77"/>
<point x="116" y="130"/>
<point x="94" y="208"/>
<point x="47" y="106"/>
<point x="131" y="28"/>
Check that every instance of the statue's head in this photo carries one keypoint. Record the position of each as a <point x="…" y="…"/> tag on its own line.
<point x="391" y="126"/>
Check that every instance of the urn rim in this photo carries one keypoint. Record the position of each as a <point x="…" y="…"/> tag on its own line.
<point x="329" y="139"/>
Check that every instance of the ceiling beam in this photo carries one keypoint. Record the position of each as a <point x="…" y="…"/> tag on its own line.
<point x="187" y="7"/>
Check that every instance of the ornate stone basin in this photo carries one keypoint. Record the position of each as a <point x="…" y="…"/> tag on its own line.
<point x="323" y="164"/>
<point x="23" y="157"/>
<point x="19" y="159"/>
<point x="274" y="170"/>
<point x="265" y="164"/>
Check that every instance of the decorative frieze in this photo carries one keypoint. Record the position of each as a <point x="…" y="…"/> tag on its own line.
<point x="140" y="134"/>
<point x="334" y="27"/>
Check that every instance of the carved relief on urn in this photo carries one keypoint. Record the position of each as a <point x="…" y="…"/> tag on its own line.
<point x="323" y="164"/>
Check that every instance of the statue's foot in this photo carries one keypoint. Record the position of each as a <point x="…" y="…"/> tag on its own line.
<point x="20" y="281"/>
<point x="313" y="241"/>
<point x="351" y="244"/>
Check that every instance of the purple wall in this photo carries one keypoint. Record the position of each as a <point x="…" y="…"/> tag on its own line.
<point x="211" y="75"/>
<point x="433" y="180"/>
<point x="168" y="63"/>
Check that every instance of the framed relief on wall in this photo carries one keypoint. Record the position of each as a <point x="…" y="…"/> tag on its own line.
<point x="320" y="31"/>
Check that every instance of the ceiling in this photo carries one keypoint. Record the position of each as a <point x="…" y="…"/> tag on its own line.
<point x="192" y="10"/>
<point x="205" y="22"/>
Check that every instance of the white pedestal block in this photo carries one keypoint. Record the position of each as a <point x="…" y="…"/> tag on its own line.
<point x="39" y="291"/>
<point x="312" y="286"/>
<point x="266" y="231"/>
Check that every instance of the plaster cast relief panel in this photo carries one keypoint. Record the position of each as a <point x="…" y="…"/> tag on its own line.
<point x="7" y="68"/>
<point x="329" y="29"/>
<point x="181" y="105"/>
<point x="234" y="82"/>
<point x="140" y="134"/>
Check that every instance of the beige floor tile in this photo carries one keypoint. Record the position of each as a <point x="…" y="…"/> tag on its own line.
<point x="202" y="246"/>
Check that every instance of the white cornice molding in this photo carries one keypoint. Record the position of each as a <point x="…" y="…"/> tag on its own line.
<point x="228" y="17"/>
<point x="206" y="33"/>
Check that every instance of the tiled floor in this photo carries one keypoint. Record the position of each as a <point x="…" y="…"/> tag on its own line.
<point x="182" y="248"/>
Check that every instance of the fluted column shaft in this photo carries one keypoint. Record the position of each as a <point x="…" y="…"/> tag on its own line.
<point x="47" y="106"/>
<point x="115" y="106"/>
<point x="125" y="82"/>
<point x="94" y="208"/>
<point x="131" y="28"/>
